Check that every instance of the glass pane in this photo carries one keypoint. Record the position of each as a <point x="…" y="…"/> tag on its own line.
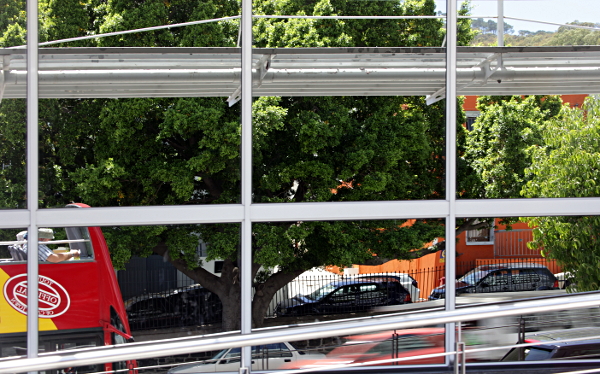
<point x="517" y="144"/>
<point x="385" y="267"/>
<point x="153" y="126"/>
<point x="527" y="259"/>
<point x="176" y="279"/>
<point x="13" y="108"/>
<point x="348" y="124"/>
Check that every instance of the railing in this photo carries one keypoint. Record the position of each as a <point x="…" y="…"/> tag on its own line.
<point x="193" y="305"/>
<point x="135" y="351"/>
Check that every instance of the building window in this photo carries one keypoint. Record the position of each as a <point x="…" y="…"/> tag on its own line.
<point x="471" y="118"/>
<point x="480" y="237"/>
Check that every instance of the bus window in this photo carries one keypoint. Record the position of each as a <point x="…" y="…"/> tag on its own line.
<point x="51" y="240"/>
<point x="79" y="238"/>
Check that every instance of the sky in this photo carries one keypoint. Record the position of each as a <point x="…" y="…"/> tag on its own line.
<point x="557" y="11"/>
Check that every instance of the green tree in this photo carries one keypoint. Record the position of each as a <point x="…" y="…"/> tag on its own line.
<point x="576" y="36"/>
<point x="503" y="135"/>
<point x="568" y="165"/>
<point x="156" y="151"/>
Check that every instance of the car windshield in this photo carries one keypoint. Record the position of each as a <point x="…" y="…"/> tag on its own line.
<point x="321" y="292"/>
<point x="473" y="276"/>
<point x="235" y="352"/>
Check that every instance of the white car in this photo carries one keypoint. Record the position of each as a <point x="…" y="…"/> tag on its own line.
<point x="405" y="280"/>
<point x="264" y="357"/>
<point x="565" y="279"/>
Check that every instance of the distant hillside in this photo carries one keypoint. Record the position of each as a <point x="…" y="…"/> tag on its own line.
<point x="564" y="36"/>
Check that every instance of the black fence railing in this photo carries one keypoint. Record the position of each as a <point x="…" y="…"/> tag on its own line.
<point x="329" y="293"/>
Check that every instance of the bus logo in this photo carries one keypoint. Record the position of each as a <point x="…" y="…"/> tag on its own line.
<point x="53" y="299"/>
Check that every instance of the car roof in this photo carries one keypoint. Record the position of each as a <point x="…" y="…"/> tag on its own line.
<point x="558" y="335"/>
<point x="378" y="336"/>
<point x="511" y="265"/>
<point x="577" y="343"/>
<point x="377" y="279"/>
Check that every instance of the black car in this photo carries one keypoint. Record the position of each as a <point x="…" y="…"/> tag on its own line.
<point x="347" y="296"/>
<point x="555" y="348"/>
<point x="186" y="306"/>
<point x="518" y="276"/>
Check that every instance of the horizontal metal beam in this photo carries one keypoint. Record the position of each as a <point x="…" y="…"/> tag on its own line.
<point x="360" y="210"/>
<point x="215" y="72"/>
<point x="171" y="347"/>
<point x="528" y="207"/>
<point x="291" y="212"/>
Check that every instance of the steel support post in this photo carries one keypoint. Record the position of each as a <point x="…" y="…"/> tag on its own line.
<point x="246" y="229"/>
<point x="500" y="26"/>
<point x="450" y="255"/>
<point x="32" y="177"/>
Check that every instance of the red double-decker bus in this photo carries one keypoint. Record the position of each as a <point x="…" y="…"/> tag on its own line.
<point x="80" y="303"/>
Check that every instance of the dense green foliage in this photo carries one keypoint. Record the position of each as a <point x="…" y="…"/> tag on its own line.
<point x="502" y="137"/>
<point x="568" y="165"/>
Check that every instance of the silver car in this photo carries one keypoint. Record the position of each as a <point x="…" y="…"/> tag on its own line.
<point x="264" y="357"/>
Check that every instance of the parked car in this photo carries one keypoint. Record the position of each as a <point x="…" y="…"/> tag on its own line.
<point x="554" y="347"/>
<point x="407" y="281"/>
<point x="565" y="279"/>
<point x="346" y="296"/>
<point x="383" y="346"/>
<point x="264" y="357"/>
<point x="518" y="276"/>
<point x="185" y="306"/>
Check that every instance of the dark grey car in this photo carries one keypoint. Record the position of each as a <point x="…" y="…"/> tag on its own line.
<point x="518" y="276"/>
<point x="347" y="296"/>
<point x="559" y="344"/>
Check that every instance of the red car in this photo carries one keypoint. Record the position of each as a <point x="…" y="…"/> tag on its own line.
<point x="384" y="346"/>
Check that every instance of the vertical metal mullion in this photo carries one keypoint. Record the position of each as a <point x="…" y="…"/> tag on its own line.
<point x="500" y="26"/>
<point x="246" y="239"/>
<point x="32" y="177"/>
<point x="451" y="41"/>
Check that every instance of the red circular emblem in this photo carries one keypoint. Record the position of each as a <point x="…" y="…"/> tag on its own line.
<point x="53" y="299"/>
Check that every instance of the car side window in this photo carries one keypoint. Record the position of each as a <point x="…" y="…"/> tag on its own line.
<point x="525" y="276"/>
<point x="346" y="293"/>
<point x="583" y="353"/>
<point x="271" y="350"/>
<point x="496" y="278"/>
<point x="370" y="291"/>
<point x="404" y="344"/>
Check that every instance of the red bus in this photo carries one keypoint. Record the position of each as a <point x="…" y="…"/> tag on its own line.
<point x="80" y="303"/>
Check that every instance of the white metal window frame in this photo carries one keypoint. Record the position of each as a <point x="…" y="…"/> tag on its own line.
<point x="247" y="212"/>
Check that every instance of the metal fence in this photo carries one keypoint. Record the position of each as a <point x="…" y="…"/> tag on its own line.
<point x="192" y="305"/>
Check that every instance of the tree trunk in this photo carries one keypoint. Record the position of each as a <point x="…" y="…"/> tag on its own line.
<point x="265" y="292"/>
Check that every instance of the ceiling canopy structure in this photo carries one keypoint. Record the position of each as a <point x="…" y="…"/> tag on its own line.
<point x="215" y="72"/>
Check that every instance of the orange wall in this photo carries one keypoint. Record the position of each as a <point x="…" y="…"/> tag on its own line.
<point x="470" y="103"/>
<point x="574" y="100"/>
